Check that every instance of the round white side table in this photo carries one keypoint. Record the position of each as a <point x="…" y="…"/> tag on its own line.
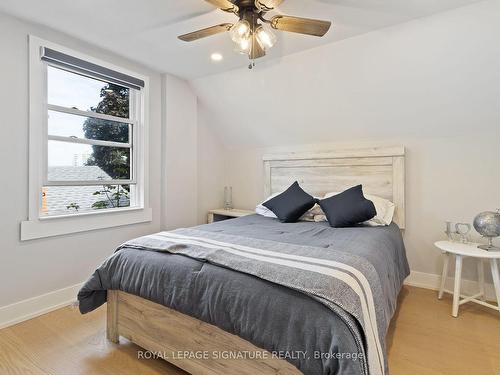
<point x="461" y="250"/>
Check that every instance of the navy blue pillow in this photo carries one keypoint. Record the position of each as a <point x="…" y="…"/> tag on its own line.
<point x="348" y="208"/>
<point x="290" y="205"/>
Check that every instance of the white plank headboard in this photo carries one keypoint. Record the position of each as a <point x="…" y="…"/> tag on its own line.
<point x="381" y="171"/>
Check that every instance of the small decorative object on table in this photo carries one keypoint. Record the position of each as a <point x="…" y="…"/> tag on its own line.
<point x="461" y="232"/>
<point x="448" y="231"/>
<point x="488" y="224"/>
<point x="228" y="197"/>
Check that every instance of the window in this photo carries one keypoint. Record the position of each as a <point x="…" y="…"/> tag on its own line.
<point x="90" y="146"/>
<point x="87" y="137"/>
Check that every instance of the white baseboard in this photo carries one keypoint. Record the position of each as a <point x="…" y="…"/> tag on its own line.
<point x="432" y="281"/>
<point x="33" y="307"/>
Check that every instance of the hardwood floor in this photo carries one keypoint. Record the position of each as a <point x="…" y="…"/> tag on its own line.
<point x="423" y="339"/>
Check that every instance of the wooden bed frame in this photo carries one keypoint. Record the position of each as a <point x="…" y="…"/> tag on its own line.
<point x="168" y="333"/>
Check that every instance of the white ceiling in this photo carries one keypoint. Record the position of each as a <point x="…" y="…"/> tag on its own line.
<point x="146" y="30"/>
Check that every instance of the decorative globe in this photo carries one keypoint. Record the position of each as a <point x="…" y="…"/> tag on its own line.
<point x="488" y="224"/>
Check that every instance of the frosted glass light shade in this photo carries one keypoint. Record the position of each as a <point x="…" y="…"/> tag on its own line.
<point x="240" y="31"/>
<point x="245" y="45"/>
<point x="265" y="37"/>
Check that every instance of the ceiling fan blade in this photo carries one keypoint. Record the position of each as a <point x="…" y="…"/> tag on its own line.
<point x="225" y="5"/>
<point x="300" y="25"/>
<point x="203" y="33"/>
<point x="257" y="51"/>
<point x="267" y="5"/>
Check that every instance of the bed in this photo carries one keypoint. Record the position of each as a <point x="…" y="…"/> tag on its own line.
<point x="255" y="296"/>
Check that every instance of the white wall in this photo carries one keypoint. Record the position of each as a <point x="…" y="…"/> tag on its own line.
<point x="432" y="84"/>
<point x="211" y="168"/>
<point x="193" y="171"/>
<point x="32" y="268"/>
<point x="180" y="155"/>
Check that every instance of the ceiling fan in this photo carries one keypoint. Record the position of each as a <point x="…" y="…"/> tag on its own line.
<point x="251" y="32"/>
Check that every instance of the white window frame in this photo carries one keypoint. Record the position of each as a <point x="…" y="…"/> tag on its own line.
<point x="38" y="226"/>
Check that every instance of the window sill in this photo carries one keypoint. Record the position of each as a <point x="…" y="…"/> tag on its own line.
<point x="66" y="224"/>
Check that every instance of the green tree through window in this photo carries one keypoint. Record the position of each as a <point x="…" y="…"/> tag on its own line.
<point x="112" y="160"/>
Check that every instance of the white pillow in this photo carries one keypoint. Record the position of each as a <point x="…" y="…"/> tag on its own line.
<point x="263" y="210"/>
<point x="385" y="210"/>
<point x="308" y="216"/>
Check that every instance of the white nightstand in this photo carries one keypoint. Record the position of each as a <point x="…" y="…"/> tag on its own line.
<point x="461" y="250"/>
<point x="223" y="214"/>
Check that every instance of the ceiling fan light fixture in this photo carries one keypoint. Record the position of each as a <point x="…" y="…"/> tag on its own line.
<point x="253" y="32"/>
<point x="240" y="31"/>
<point x="265" y="37"/>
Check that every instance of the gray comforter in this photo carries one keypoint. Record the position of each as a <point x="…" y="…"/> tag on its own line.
<point x="267" y="314"/>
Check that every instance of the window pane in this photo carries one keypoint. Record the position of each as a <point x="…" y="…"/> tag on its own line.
<point x="72" y="90"/>
<point x="76" y="162"/>
<point x="67" y="125"/>
<point x="60" y="200"/>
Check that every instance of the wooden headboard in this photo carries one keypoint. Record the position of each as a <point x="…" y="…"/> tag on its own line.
<point x="381" y="171"/>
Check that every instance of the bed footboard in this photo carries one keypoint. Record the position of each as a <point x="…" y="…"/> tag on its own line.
<point x="188" y="343"/>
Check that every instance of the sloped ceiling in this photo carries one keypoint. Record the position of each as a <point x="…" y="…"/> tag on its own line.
<point x="433" y="77"/>
<point x="146" y="31"/>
